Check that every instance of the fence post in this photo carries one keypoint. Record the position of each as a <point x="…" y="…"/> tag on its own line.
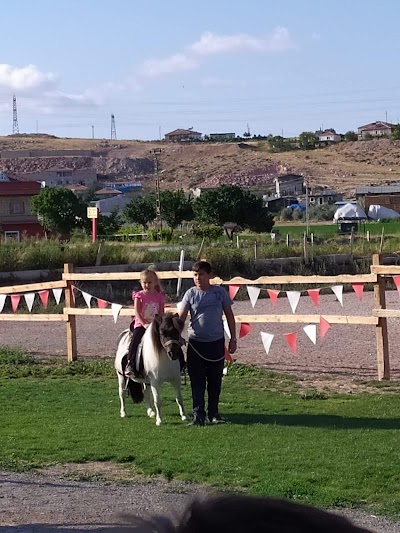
<point x="255" y="250"/>
<point x="71" y="321"/>
<point x="287" y="240"/>
<point x="382" y="342"/>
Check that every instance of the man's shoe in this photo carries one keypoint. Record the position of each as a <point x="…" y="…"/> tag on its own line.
<point x="196" y="422"/>
<point x="217" y="419"/>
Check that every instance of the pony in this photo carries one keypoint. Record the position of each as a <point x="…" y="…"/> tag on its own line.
<point x="161" y="348"/>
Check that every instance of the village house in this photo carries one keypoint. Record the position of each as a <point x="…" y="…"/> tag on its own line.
<point x="60" y="177"/>
<point x="386" y="196"/>
<point x="222" y="136"/>
<point x="183" y="135"/>
<point x="16" y="218"/>
<point x="324" y="197"/>
<point x="327" y="137"/>
<point x="375" y="129"/>
<point x="289" y="185"/>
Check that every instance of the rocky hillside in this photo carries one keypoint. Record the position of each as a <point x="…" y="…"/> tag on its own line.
<point x="188" y="165"/>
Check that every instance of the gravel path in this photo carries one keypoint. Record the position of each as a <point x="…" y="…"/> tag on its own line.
<point x="46" y="503"/>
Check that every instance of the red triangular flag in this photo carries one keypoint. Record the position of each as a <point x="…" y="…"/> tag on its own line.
<point x="15" y="298"/>
<point x="358" y="289"/>
<point x="314" y="295"/>
<point x="44" y="296"/>
<point x="245" y="329"/>
<point x="323" y="326"/>
<point x="396" y="280"/>
<point x="233" y="291"/>
<point x="273" y="294"/>
<point x="101" y="304"/>
<point x="228" y="356"/>
<point x="291" y="339"/>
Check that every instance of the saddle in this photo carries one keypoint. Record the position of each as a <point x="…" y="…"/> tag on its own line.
<point x="135" y="366"/>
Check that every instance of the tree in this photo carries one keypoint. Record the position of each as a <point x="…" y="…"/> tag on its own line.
<point x="59" y="210"/>
<point x="350" y="136"/>
<point x="175" y="207"/>
<point x="396" y="132"/>
<point x="230" y="203"/>
<point x="307" y="140"/>
<point x="108" y="225"/>
<point x="141" y="210"/>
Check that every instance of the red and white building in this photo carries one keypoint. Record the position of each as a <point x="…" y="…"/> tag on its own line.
<point x="16" y="218"/>
<point x="375" y="129"/>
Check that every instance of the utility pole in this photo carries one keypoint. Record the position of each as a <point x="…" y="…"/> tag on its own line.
<point x="15" y="116"/>
<point x="307" y="219"/>
<point x="113" y="128"/>
<point x="92" y="132"/>
<point x="386" y="115"/>
<point x="156" y="152"/>
<point x="37" y="127"/>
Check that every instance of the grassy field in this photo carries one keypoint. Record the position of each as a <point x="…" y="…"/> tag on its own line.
<point x="330" y="230"/>
<point x="327" y="450"/>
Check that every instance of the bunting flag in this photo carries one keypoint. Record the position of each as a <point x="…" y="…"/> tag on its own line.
<point x="57" y="295"/>
<point x="44" y="296"/>
<point x="267" y="339"/>
<point x="323" y="326"/>
<point x="2" y="301"/>
<point x="311" y="332"/>
<point x="314" y="295"/>
<point x="294" y="298"/>
<point x="179" y="306"/>
<point x="338" y="292"/>
<point x="87" y="297"/>
<point x="254" y="293"/>
<point x="101" y="304"/>
<point x="116" y="309"/>
<point x="273" y="294"/>
<point x="226" y="328"/>
<point x="15" y="298"/>
<point x="29" y="299"/>
<point x="396" y="280"/>
<point x="291" y="339"/>
<point x="233" y="291"/>
<point x="73" y="294"/>
<point x="228" y="356"/>
<point x="358" y="288"/>
<point x="245" y="329"/>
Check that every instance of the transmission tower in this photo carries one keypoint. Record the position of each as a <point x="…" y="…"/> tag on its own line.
<point x="15" y="116"/>
<point x="113" y="130"/>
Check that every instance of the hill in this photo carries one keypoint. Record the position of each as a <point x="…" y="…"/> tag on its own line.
<point x="187" y="165"/>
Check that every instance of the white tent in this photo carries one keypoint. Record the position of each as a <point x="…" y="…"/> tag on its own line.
<point x="379" y="212"/>
<point x="350" y="212"/>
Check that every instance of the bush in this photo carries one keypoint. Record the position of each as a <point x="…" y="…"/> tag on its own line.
<point x="297" y="214"/>
<point x="210" y="231"/>
<point x="286" y="214"/>
<point x="155" y="234"/>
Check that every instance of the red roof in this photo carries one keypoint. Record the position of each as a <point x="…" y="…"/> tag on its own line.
<point x="183" y="132"/>
<point x="377" y="126"/>
<point x="115" y="192"/>
<point x="19" y="188"/>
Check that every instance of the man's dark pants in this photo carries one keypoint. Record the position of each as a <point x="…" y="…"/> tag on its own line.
<point x="205" y="371"/>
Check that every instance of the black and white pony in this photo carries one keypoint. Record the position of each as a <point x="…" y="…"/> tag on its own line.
<point x="161" y="348"/>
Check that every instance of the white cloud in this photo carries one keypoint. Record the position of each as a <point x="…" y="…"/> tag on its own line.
<point x="25" y="78"/>
<point x="167" y="65"/>
<point x="212" y="44"/>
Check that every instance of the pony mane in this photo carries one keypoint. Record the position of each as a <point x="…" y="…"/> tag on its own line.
<point x="152" y="347"/>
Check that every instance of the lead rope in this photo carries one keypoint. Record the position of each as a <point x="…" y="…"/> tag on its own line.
<point x="202" y="356"/>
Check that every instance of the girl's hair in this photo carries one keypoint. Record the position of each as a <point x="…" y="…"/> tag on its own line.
<point x="148" y="273"/>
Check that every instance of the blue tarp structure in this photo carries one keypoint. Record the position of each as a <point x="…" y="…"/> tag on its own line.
<point x="297" y="206"/>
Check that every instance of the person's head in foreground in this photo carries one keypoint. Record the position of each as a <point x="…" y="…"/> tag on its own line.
<point x="246" y="514"/>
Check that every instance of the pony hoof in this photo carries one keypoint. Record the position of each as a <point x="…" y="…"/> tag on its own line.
<point x="151" y="413"/>
<point x="184" y="417"/>
<point x="158" y="422"/>
<point x="123" y="415"/>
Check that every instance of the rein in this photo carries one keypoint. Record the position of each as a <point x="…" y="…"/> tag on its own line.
<point x="202" y="356"/>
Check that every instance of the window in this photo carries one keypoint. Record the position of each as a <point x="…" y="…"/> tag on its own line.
<point x="64" y="173"/>
<point x="12" y="235"/>
<point x="16" y="208"/>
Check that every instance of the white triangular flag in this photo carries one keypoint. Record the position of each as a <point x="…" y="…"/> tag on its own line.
<point x="2" y="301"/>
<point x="338" y="292"/>
<point x="29" y="299"/>
<point x="57" y="295"/>
<point x="226" y="328"/>
<point x="87" y="297"/>
<point x="115" y="309"/>
<point x="311" y="332"/>
<point x="294" y="298"/>
<point x="179" y="306"/>
<point x="267" y="339"/>
<point x="254" y="293"/>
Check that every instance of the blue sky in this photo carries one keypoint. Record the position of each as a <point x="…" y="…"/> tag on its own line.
<point x="215" y="66"/>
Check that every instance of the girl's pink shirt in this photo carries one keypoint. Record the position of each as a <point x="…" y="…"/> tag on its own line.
<point x="152" y="304"/>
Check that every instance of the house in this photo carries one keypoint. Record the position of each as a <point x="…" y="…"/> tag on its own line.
<point x="327" y="137"/>
<point x="60" y="177"/>
<point x="107" y="193"/>
<point x="106" y="205"/>
<point x="375" y="129"/>
<point x="222" y="136"/>
<point x="16" y="217"/>
<point x="324" y="197"/>
<point x="386" y="196"/>
<point x="289" y="185"/>
<point x="183" y="135"/>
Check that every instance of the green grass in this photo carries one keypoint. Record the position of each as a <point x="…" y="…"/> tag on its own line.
<point x="323" y="449"/>
<point x="330" y="230"/>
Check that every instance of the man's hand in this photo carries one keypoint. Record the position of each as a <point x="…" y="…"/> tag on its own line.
<point x="232" y="346"/>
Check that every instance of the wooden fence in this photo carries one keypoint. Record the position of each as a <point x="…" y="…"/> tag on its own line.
<point x="378" y="317"/>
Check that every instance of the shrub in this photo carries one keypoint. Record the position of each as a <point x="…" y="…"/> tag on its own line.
<point x="297" y="214"/>
<point x="286" y="214"/>
<point x="209" y="231"/>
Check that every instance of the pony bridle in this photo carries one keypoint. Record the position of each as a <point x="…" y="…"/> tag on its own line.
<point x="166" y="344"/>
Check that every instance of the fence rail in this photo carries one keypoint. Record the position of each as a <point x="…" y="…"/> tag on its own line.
<point x="378" y="318"/>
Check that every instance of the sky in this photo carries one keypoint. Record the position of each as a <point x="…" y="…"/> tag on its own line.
<point x="215" y="66"/>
